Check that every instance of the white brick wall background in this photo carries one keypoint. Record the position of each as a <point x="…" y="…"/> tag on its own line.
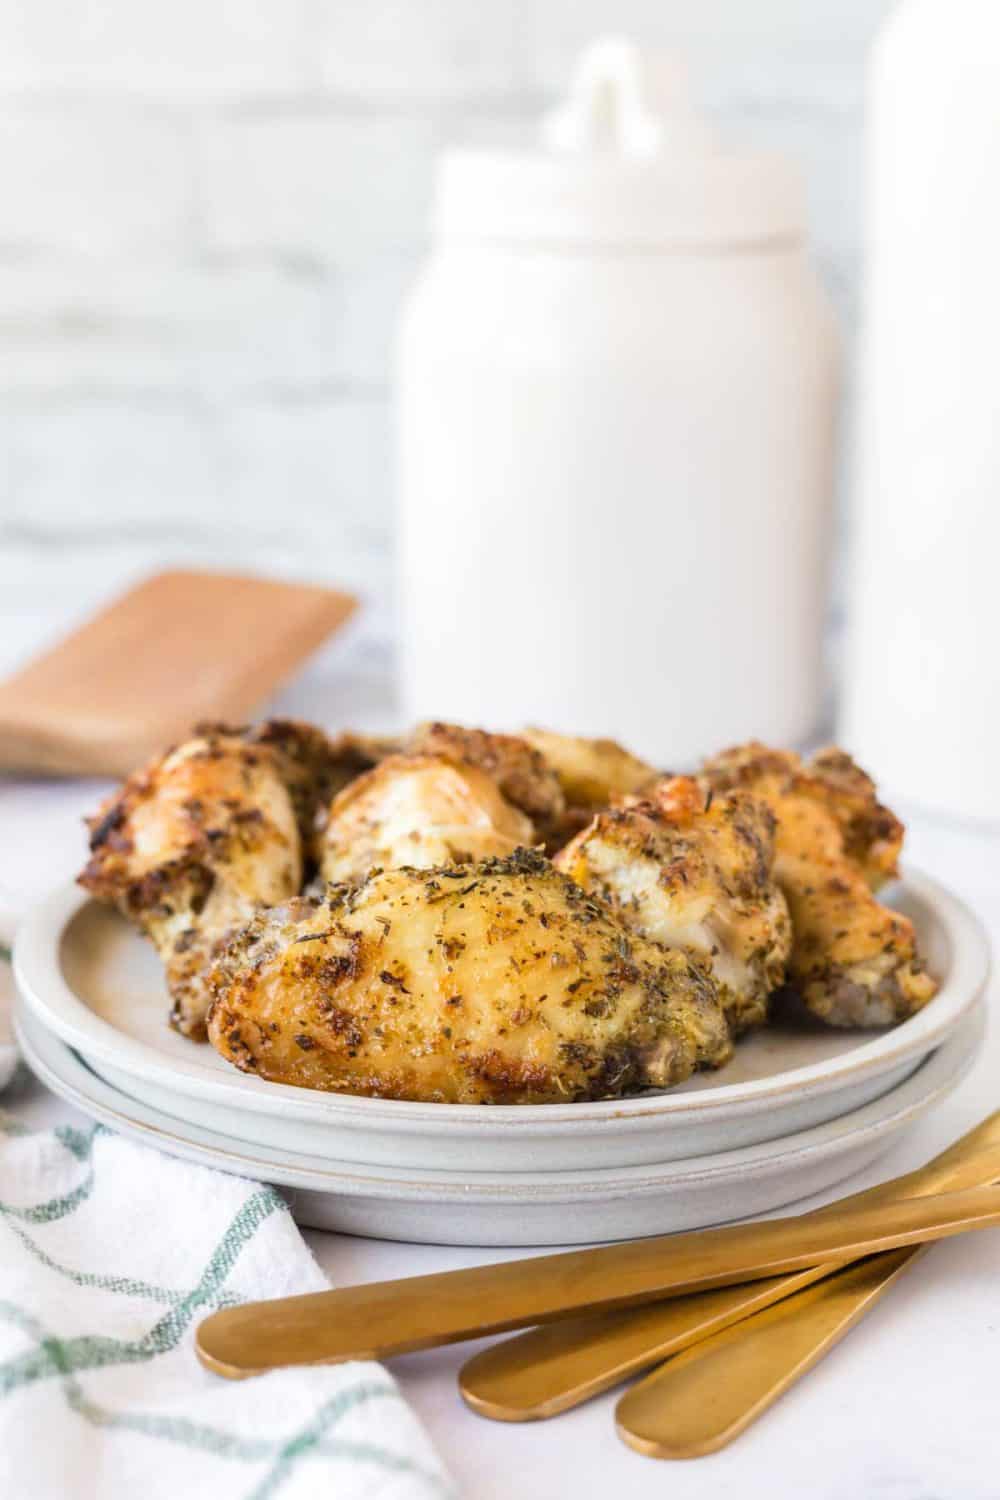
<point x="210" y="210"/>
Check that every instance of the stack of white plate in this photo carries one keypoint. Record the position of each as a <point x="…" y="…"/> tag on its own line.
<point x="798" y="1109"/>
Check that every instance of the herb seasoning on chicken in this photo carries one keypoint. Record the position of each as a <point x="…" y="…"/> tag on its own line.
<point x="442" y="956"/>
<point x="192" y="845"/>
<point x="854" y="961"/>
<point x="499" y="982"/>
<point x="693" y="871"/>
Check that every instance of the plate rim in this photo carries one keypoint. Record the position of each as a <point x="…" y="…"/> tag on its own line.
<point x="46" y="992"/>
<point x="937" y="1076"/>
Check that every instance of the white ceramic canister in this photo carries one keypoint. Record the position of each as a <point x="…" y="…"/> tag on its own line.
<point x="922" y="683"/>
<point x="617" y="384"/>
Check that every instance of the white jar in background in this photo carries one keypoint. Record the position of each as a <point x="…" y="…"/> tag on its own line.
<point x="617" y="385"/>
<point x="922" y="685"/>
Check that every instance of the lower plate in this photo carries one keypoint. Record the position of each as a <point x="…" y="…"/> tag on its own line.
<point x="508" y="1208"/>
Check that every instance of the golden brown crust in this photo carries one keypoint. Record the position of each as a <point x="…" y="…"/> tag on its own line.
<point x="694" y="871"/>
<point x="195" y="842"/>
<point x="496" y="982"/>
<point x="854" y="962"/>
<point x="474" y="969"/>
<point x="872" y="835"/>
<point x="421" y="810"/>
<point x="194" y="808"/>
<point x="519" y="770"/>
<point x="592" y="773"/>
<point x="313" y="768"/>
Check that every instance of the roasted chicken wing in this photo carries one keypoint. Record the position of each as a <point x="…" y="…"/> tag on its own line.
<point x="201" y="838"/>
<point x="420" y="810"/>
<point x="313" y="768"/>
<point x="872" y="835"/>
<point x="854" y="962"/>
<point x="694" y="871"/>
<point x="592" y="773"/>
<point x="443" y="957"/>
<point x="453" y="795"/>
<point x="521" y="772"/>
<point x="494" y="982"/>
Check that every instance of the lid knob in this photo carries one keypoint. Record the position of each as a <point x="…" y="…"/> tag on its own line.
<point x="625" y="159"/>
<point x="622" y="100"/>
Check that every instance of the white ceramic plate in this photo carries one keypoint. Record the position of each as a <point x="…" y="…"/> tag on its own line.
<point x="526" y="1208"/>
<point x="92" y="980"/>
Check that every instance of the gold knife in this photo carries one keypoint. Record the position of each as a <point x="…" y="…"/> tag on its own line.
<point x="419" y="1312"/>
<point x="559" y="1365"/>
<point x="705" y="1397"/>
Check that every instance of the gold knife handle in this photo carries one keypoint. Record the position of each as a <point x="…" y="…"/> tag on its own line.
<point x="703" y="1399"/>
<point x="699" y="1401"/>
<point x="559" y="1365"/>
<point x="420" y="1312"/>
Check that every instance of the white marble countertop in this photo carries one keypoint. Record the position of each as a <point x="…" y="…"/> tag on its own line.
<point x="904" y="1409"/>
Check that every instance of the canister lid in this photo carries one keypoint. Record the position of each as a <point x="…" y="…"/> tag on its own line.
<point x="625" y="160"/>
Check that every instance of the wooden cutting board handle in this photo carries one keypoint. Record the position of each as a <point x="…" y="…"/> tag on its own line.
<point x="178" y="648"/>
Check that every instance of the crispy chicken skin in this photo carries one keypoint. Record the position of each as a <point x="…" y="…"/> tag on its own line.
<point x="592" y="773"/>
<point x="439" y="955"/>
<point x="694" y="871"/>
<point x="494" y="982"/>
<point x="312" y="766"/>
<point x="854" y="962"/>
<point x="872" y="835"/>
<point x="195" y="842"/>
<point x="557" y="781"/>
<point x="520" y="771"/>
<point x="451" y="796"/>
<point x="420" y="810"/>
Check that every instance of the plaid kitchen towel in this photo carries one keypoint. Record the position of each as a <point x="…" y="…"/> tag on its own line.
<point x="110" y="1254"/>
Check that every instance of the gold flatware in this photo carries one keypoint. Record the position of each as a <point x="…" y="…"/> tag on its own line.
<point x="699" y="1401"/>
<point x="559" y="1365"/>
<point x="419" y="1312"/>
<point x="705" y="1397"/>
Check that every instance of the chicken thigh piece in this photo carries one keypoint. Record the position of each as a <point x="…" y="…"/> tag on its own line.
<point x="854" y="962"/>
<point x="194" y="843"/>
<point x="499" y="981"/>
<point x="420" y="810"/>
<point x="694" y="871"/>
